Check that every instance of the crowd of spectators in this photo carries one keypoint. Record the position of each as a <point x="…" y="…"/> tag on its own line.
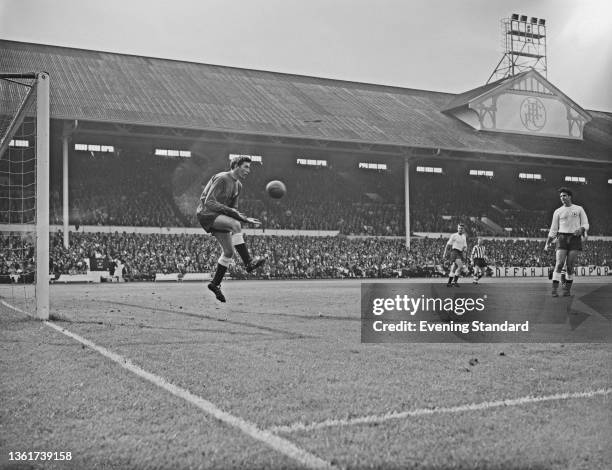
<point x="142" y="256"/>
<point x="17" y="260"/>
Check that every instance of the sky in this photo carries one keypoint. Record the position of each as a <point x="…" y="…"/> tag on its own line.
<point x="438" y="45"/>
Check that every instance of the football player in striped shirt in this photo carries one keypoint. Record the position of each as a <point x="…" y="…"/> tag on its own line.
<point x="569" y="225"/>
<point x="479" y="260"/>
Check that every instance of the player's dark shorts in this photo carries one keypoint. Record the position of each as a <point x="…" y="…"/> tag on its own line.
<point x="207" y="221"/>
<point x="569" y="242"/>
<point x="480" y="262"/>
<point x="456" y="255"/>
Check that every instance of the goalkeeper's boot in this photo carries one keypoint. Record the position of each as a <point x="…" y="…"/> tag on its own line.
<point x="215" y="289"/>
<point x="254" y="264"/>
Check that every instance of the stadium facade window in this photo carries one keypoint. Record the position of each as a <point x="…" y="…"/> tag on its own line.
<point x="429" y="169"/>
<point x="576" y="179"/>
<point x="173" y="153"/>
<point x="373" y="166"/>
<point x="254" y="158"/>
<point x="487" y="173"/>
<point x="311" y="162"/>
<point x="19" y="143"/>
<point x="530" y="176"/>
<point x="94" y="148"/>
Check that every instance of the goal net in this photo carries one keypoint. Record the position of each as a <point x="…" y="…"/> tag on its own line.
<point x="24" y="193"/>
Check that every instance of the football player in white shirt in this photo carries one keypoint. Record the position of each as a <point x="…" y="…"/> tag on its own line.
<point x="458" y="244"/>
<point x="569" y="225"/>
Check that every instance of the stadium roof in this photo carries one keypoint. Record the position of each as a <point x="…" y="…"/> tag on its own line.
<point x="106" y="87"/>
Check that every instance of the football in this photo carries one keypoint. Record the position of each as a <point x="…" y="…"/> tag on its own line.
<point x="276" y="189"/>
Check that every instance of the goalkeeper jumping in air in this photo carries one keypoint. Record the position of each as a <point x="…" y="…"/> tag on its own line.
<point x="218" y="216"/>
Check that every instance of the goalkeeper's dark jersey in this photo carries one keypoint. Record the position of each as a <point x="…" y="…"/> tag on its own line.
<point x="220" y="196"/>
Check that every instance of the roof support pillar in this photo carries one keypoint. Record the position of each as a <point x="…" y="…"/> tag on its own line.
<point x="407" y="199"/>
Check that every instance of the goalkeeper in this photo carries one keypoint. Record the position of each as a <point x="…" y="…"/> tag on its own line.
<point x="217" y="215"/>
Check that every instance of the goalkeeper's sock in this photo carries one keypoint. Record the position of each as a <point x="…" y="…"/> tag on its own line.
<point x="219" y="273"/>
<point x="241" y="248"/>
<point x="222" y="265"/>
<point x="243" y="251"/>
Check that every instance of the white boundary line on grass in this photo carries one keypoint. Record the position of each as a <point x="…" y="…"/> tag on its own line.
<point x="377" y="419"/>
<point x="265" y="436"/>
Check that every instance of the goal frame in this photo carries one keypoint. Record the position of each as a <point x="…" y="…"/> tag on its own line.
<point x="41" y="83"/>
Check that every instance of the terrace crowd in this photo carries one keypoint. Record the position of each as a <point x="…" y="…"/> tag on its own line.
<point x="142" y="256"/>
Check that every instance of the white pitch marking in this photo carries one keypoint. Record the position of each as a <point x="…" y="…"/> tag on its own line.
<point x="267" y="437"/>
<point x="373" y="419"/>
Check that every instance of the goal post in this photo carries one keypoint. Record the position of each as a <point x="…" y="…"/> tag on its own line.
<point x="42" y="196"/>
<point x="24" y="192"/>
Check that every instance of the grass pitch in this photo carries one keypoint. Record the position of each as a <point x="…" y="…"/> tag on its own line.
<point x="286" y="357"/>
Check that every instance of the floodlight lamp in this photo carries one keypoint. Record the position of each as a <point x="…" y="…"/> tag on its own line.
<point x="515" y="16"/>
<point x="542" y="21"/>
<point x="524" y="18"/>
<point x="534" y="20"/>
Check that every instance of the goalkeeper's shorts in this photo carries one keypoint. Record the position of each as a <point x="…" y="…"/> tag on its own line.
<point x="207" y="221"/>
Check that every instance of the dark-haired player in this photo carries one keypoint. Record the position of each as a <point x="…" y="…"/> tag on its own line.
<point x="218" y="215"/>
<point x="569" y="225"/>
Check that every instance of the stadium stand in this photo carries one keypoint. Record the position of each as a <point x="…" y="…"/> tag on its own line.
<point x="214" y="111"/>
<point x="125" y="190"/>
<point x="136" y="189"/>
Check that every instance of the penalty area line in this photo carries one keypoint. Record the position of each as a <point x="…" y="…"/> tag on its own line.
<point x="378" y="419"/>
<point x="267" y="437"/>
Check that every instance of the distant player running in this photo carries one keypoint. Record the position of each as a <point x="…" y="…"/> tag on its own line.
<point x="458" y="245"/>
<point x="479" y="260"/>
<point x="217" y="215"/>
<point x="569" y="226"/>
